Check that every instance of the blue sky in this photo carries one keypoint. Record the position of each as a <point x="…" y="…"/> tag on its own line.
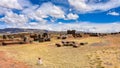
<point x="59" y="15"/>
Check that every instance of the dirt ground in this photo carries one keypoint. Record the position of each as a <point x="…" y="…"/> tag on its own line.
<point x="6" y="62"/>
<point x="100" y="52"/>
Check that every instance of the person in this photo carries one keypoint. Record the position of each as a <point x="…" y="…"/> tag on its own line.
<point x="40" y="61"/>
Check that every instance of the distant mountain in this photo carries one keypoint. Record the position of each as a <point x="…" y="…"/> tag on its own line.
<point x="17" y="30"/>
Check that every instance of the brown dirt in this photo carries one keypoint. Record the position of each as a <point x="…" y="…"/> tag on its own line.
<point x="6" y="62"/>
<point x="114" y="40"/>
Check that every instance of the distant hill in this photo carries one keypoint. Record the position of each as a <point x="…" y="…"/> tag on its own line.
<point x="17" y="30"/>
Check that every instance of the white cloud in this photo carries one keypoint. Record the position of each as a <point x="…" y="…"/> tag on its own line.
<point x="44" y="11"/>
<point x="10" y="4"/>
<point x="33" y="24"/>
<point x="24" y="3"/>
<point x="84" y="7"/>
<point x="113" y="13"/>
<point x="72" y="16"/>
<point x="60" y="23"/>
<point x="52" y="10"/>
<point x="34" y="12"/>
<point x="82" y="26"/>
<point x="3" y="10"/>
<point x="48" y="9"/>
<point x="88" y="27"/>
<point x="14" y="19"/>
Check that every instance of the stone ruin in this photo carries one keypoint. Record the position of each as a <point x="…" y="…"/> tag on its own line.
<point x="15" y="39"/>
<point x="41" y="37"/>
<point x="62" y="36"/>
<point x="71" y="43"/>
<point x="71" y="31"/>
<point x="23" y="38"/>
<point x="44" y="37"/>
<point x="75" y="34"/>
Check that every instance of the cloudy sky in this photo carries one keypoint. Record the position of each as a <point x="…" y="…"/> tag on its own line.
<point x="58" y="15"/>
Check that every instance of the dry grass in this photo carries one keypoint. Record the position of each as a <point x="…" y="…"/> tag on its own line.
<point x="105" y="58"/>
<point x="65" y="57"/>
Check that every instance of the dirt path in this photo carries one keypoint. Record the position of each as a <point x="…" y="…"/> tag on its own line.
<point x="6" y="62"/>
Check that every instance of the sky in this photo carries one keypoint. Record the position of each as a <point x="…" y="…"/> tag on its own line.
<point x="61" y="15"/>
